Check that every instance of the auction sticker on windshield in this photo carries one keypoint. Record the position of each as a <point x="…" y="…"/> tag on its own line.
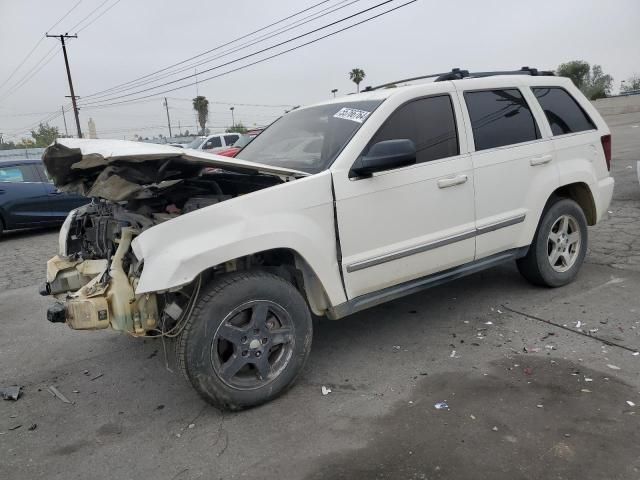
<point x="352" y="114"/>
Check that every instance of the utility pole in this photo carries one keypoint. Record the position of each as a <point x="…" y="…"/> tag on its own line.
<point x="233" y="120"/>
<point x="66" y="62"/>
<point x="64" y="117"/>
<point x="334" y="91"/>
<point x="166" y="104"/>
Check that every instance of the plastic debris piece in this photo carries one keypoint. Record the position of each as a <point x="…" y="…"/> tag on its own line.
<point x="453" y="354"/>
<point x="613" y="367"/>
<point x="473" y="417"/>
<point x="441" y="406"/>
<point x="630" y="403"/>
<point x="488" y="323"/>
<point x="58" y="394"/>
<point x="585" y="390"/>
<point x="587" y="379"/>
<point x="540" y="405"/>
<point x="192" y="425"/>
<point x="326" y="390"/>
<point x="578" y="324"/>
<point x="495" y="429"/>
<point x="635" y="354"/>
<point x="32" y="427"/>
<point x="10" y="393"/>
<point x="593" y="330"/>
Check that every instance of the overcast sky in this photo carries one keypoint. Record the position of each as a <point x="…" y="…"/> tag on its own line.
<point x="133" y="38"/>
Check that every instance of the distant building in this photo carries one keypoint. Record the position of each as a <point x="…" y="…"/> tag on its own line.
<point x="92" y="129"/>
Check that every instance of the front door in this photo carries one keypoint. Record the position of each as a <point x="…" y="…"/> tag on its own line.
<point x="23" y="200"/>
<point x="409" y="222"/>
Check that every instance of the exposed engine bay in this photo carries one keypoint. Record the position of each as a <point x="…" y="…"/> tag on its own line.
<point x="95" y="275"/>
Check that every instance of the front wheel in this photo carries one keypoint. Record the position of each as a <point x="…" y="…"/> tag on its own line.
<point x="559" y="246"/>
<point x="246" y="341"/>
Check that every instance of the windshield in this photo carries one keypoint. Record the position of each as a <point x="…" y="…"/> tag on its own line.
<point x="310" y="139"/>
<point x="195" y="143"/>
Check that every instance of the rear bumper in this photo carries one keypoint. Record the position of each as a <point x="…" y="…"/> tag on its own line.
<point x="604" y="196"/>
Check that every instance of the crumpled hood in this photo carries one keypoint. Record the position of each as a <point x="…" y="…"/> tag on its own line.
<point x="119" y="170"/>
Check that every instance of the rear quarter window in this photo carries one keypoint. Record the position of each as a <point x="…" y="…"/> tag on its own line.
<point x="499" y="118"/>
<point x="564" y="113"/>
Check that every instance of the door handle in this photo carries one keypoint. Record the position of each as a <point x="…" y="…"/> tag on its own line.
<point x="452" y="181"/>
<point x="540" y="160"/>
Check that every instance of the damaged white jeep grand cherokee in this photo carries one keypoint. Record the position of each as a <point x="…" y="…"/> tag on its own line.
<point x="334" y="208"/>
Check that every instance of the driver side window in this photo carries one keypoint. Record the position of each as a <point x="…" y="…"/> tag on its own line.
<point x="429" y="122"/>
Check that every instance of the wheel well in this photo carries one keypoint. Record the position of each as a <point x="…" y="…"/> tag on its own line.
<point x="288" y="264"/>
<point x="581" y="194"/>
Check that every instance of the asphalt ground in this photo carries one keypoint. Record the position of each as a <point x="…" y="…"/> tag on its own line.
<point x="530" y="395"/>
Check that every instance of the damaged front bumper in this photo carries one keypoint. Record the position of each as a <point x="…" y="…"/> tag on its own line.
<point x="97" y="294"/>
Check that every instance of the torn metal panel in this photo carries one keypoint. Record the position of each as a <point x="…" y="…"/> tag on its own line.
<point x="118" y="170"/>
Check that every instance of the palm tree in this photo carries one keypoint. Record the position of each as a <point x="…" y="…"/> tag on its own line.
<point x="201" y="106"/>
<point x="356" y="76"/>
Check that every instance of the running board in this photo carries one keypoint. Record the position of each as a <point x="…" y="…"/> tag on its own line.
<point x="413" y="286"/>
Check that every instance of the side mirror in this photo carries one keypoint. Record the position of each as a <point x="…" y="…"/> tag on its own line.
<point x="385" y="155"/>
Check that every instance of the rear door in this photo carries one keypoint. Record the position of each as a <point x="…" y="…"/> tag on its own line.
<point x="513" y="166"/>
<point x="59" y="204"/>
<point x="23" y="200"/>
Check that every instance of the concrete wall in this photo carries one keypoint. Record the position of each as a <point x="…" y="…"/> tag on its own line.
<point x="617" y="105"/>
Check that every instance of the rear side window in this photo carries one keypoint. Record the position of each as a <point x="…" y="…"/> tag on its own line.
<point x="231" y="139"/>
<point x="214" y="142"/>
<point x="429" y="122"/>
<point x="14" y="174"/>
<point x="499" y="118"/>
<point x="564" y="113"/>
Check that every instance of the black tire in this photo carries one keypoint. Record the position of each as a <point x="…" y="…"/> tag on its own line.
<point x="537" y="265"/>
<point x="245" y="318"/>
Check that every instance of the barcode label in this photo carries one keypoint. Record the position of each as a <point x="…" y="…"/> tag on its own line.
<point x="352" y="114"/>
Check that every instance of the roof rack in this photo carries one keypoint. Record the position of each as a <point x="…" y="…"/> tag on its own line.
<point x="459" y="74"/>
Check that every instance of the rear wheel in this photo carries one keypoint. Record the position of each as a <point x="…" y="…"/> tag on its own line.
<point x="559" y="246"/>
<point x="247" y="340"/>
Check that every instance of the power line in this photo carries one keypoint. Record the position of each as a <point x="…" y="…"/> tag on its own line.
<point x="39" y="65"/>
<point x="253" y="54"/>
<point x="298" y="23"/>
<point x="101" y="14"/>
<point x="210" y="50"/>
<point x="90" y="13"/>
<point x="37" y="44"/>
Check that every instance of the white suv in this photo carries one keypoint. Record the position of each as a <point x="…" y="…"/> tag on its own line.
<point x="215" y="142"/>
<point x="334" y="208"/>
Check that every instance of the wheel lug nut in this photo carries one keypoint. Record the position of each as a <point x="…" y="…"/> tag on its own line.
<point x="245" y="353"/>
<point x="243" y="339"/>
<point x="264" y="340"/>
<point x="258" y="354"/>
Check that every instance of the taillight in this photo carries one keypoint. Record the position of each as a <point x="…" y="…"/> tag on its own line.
<point x="606" y="146"/>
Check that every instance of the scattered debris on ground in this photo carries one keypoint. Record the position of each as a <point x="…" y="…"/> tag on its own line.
<point x="10" y="393"/>
<point x="441" y="406"/>
<point x="326" y="390"/>
<point x="58" y="394"/>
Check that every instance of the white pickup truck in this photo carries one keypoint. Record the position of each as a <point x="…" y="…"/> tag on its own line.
<point x="334" y="208"/>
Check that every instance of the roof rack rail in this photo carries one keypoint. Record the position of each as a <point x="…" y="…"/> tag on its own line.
<point x="459" y="74"/>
